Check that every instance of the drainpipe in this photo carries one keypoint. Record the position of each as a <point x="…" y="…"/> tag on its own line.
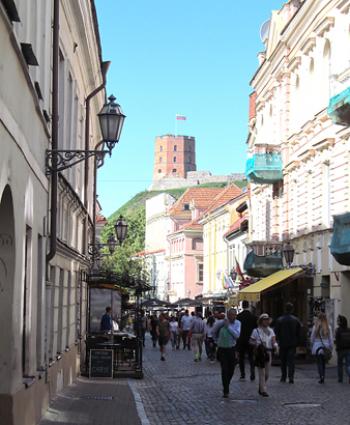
<point x="104" y="68"/>
<point x="54" y="131"/>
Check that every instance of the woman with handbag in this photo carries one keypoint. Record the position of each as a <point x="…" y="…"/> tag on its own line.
<point x="264" y="341"/>
<point x="322" y="344"/>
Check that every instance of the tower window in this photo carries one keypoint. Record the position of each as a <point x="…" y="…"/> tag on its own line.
<point x="161" y="148"/>
<point x="174" y="158"/>
<point x="160" y="159"/>
<point x="174" y="170"/>
<point x="175" y="148"/>
<point x="159" y="171"/>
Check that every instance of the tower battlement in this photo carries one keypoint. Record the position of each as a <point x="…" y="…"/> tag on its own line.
<point x="174" y="156"/>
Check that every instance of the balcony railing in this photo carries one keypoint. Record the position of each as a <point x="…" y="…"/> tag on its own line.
<point x="264" y="258"/>
<point x="265" y="166"/>
<point x="339" y="108"/>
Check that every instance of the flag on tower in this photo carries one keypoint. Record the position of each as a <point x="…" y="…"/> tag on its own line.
<point x="181" y="117"/>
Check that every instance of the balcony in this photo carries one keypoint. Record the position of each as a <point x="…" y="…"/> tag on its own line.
<point x="264" y="259"/>
<point x="339" y="108"/>
<point x="340" y="244"/>
<point x="265" y="166"/>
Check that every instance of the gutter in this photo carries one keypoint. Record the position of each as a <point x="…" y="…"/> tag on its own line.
<point x="54" y="131"/>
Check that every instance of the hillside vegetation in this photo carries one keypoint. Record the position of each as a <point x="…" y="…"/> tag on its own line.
<point x="134" y="213"/>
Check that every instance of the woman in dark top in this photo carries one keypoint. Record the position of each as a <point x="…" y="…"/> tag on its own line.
<point x="342" y="343"/>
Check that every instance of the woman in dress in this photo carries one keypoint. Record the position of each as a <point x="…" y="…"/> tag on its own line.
<point x="322" y="343"/>
<point x="264" y="341"/>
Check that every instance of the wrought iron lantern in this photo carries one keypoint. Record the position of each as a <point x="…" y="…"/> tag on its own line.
<point x="111" y="120"/>
<point x="121" y="229"/>
<point x="288" y="252"/>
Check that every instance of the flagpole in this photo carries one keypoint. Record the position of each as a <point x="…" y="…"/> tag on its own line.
<point x="176" y="125"/>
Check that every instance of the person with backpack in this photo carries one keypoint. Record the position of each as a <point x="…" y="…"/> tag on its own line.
<point x="322" y="344"/>
<point x="342" y="343"/>
<point x="226" y="333"/>
<point x="287" y="329"/>
<point x="263" y="340"/>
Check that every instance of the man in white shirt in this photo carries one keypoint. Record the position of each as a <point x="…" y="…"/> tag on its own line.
<point x="185" y="324"/>
<point x="197" y="336"/>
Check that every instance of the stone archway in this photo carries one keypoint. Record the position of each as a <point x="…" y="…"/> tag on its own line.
<point x="7" y="270"/>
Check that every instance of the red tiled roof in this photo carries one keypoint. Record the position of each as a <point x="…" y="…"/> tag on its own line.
<point x="236" y="225"/>
<point x="201" y="197"/>
<point x="144" y="253"/>
<point x="226" y="195"/>
<point x="100" y="219"/>
<point x="192" y="225"/>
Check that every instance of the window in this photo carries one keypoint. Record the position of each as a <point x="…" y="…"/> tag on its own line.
<point x="26" y="300"/>
<point x="186" y="207"/>
<point x="175" y="148"/>
<point x="40" y="321"/>
<point x="277" y="189"/>
<point x="174" y="170"/>
<point x="174" y="159"/>
<point x="159" y="171"/>
<point x="160" y="159"/>
<point x="200" y="272"/>
<point x="161" y="148"/>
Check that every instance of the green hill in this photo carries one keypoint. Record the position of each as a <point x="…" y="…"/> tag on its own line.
<point x="134" y="212"/>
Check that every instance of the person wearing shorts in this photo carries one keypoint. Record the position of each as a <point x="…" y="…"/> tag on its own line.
<point x="163" y="332"/>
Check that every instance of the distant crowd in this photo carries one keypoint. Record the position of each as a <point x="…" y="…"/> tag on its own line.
<point x="232" y="338"/>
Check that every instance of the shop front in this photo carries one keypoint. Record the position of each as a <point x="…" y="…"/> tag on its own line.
<point x="270" y="295"/>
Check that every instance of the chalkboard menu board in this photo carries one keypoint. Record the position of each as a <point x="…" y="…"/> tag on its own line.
<point x="101" y="363"/>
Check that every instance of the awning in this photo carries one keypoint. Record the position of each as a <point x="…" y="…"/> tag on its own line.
<point x="252" y="292"/>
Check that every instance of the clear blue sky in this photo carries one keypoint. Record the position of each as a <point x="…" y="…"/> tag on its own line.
<point x="192" y="57"/>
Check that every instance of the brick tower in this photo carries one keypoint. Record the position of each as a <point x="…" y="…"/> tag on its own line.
<point x="174" y="156"/>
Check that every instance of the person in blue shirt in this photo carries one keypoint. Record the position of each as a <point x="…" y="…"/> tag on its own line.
<point x="107" y="321"/>
<point x="225" y="333"/>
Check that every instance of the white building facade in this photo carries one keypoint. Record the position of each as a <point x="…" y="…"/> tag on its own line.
<point x="299" y="160"/>
<point x="43" y="306"/>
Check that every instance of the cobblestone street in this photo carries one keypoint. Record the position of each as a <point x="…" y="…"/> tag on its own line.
<point x="180" y="391"/>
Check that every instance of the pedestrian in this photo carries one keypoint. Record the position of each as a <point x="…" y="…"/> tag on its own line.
<point x="287" y="330"/>
<point x="342" y="343"/>
<point x="153" y="330"/>
<point x="322" y="344"/>
<point x="143" y="327"/>
<point x="226" y="333"/>
<point x="197" y="336"/>
<point x="163" y="332"/>
<point x="186" y="321"/>
<point x="210" y="346"/>
<point x="173" y="332"/>
<point x="244" y="348"/>
<point x="263" y="340"/>
<point x="107" y="321"/>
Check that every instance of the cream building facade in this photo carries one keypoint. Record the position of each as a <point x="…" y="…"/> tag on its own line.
<point x="299" y="159"/>
<point x="43" y="306"/>
<point x="216" y="222"/>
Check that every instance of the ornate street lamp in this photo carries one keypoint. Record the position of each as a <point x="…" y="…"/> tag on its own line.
<point x="288" y="252"/>
<point x="121" y="229"/>
<point x="111" y="120"/>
